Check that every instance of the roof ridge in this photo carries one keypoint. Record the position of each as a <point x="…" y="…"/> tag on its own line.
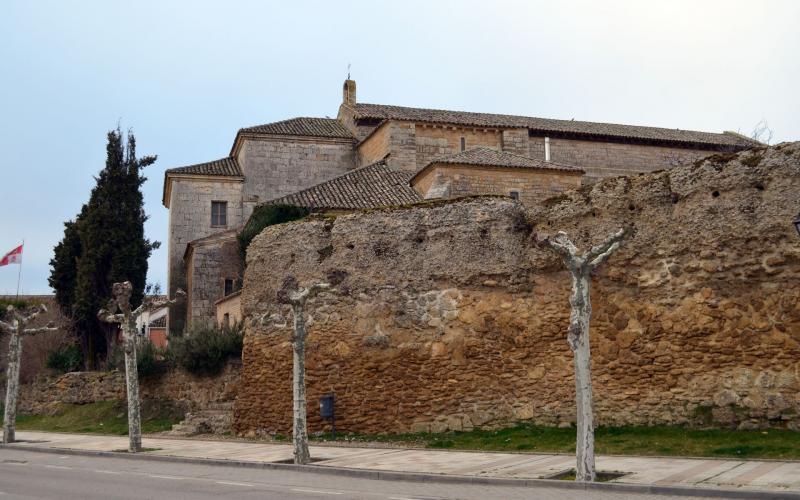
<point x="608" y="129"/>
<point x="236" y="171"/>
<point x="310" y="126"/>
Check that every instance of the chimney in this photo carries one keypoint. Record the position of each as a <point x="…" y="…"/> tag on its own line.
<point x="349" y="92"/>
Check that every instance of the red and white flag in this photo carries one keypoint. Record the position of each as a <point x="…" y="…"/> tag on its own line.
<point x="12" y="257"/>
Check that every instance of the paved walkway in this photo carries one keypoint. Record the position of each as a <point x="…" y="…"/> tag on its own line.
<point x="711" y="473"/>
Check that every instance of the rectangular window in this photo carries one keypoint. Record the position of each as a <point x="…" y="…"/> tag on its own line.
<point x="219" y="213"/>
<point x="463" y="144"/>
<point x="514" y="195"/>
<point x="229" y="284"/>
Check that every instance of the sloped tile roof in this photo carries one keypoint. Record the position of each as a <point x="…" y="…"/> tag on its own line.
<point x="159" y="322"/>
<point x="312" y="127"/>
<point x="490" y="157"/>
<point x="372" y="186"/>
<point x="544" y="125"/>
<point x="225" y="167"/>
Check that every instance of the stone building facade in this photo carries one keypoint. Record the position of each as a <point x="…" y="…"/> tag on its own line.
<point x="277" y="160"/>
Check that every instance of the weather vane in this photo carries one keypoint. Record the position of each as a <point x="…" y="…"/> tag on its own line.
<point x="348" y="71"/>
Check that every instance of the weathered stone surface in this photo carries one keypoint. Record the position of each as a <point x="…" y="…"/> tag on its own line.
<point x="450" y="316"/>
<point x="187" y="391"/>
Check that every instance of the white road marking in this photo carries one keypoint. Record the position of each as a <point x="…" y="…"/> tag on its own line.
<point x="302" y="490"/>
<point x="57" y="467"/>
<point x="64" y="457"/>
<point x="165" y="477"/>
<point x="101" y="471"/>
<point x="231" y="483"/>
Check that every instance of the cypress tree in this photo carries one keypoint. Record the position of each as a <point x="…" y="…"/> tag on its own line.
<point x="105" y="244"/>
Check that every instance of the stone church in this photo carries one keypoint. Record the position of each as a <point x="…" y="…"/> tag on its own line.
<point x="375" y="155"/>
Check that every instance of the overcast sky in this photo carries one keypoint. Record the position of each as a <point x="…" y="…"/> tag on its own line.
<point x="185" y="76"/>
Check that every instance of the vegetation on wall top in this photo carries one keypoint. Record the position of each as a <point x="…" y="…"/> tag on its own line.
<point x="264" y="216"/>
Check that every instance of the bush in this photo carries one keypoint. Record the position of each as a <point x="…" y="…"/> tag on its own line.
<point x="65" y="358"/>
<point x="267" y="215"/>
<point x="204" y="350"/>
<point x="150" y="360"/>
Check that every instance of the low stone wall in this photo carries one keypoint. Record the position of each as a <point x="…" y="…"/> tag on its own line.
<point x="186" y="391"/>
<point x="451" y="316"/>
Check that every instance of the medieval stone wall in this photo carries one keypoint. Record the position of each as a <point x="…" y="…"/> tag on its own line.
<point x="277" y="166"/>
<point x="187" y="391"/>
<point x="601" y="160"/>
<point x="453" y="181"/>
<point x="450" y="316"/>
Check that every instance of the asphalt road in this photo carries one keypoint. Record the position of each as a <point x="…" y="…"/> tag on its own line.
<point x="25" y="474"/>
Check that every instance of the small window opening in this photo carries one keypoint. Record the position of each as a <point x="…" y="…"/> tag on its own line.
<point x="226" y="320"/>
<point x="514" y="195"/>
<point x="463" y="144"/>
<point x="229" y="286"/>
<point x="219" y="213"/>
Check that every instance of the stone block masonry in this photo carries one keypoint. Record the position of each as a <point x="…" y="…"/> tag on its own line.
<point x="450" y="316"/>
<point x="188" y="392"/>
<point x="277" y="166"/>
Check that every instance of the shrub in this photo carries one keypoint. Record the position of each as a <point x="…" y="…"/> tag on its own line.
<point x="267" y="215"/>
<point x="65" y="358"/>
<point x="204" y="350"/>
<point x="149" y="359"/>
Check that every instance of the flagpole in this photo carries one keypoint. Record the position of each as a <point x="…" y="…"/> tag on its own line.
<point x="19" y="273"/>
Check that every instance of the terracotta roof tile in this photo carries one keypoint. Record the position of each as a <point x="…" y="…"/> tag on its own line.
<point x="490" y="157"/>
<point x="372" y="186"/>
<point x="313" y="127"/>
<point x="159" y="322"/>
<point x="545" y="125"/>
<point x="225" y="167"/>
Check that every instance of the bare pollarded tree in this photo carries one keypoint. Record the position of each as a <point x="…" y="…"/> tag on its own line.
<point x="581" y="268"/>
<point x="127" y="320"/>
<point x="296" y="297"/>
<point x="17" y="331"/>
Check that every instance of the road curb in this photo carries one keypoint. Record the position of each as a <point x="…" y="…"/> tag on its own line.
<point x="686" y="491"/>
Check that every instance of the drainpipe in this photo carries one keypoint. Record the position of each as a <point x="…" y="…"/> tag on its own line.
<point x="546" y="149"/>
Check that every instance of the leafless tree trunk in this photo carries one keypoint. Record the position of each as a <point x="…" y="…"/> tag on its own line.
<point x="127" y="321"/>
<point x="581" y="268"/>
<point x="297" y="298"/>
<point x="17" y="330"/>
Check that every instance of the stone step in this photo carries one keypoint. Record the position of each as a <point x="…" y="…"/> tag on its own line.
<point x="215" y="418"/>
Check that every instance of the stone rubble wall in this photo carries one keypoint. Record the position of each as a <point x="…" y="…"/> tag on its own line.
<point x="187" y="391"/>
<point x="449" y="316"/>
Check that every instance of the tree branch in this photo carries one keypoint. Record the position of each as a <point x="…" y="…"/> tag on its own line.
<point x="150" y="304"/>
<point x="604" y="247"/>
<point x="302" y="295"/>
<point x="36" y="311"/>
<point x="603" y="256"/>
<point x="37" y="331"/>
<point x="562" y="245"/>
<point x="108" y="317"/>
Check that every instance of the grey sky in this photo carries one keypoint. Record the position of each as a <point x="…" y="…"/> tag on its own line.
<point x="187" y="75"/>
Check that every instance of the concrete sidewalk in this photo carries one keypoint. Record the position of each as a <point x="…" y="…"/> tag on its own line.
<point x="755" y="475"/>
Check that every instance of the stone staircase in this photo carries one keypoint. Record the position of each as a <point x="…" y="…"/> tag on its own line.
<point x="214" y="418"/>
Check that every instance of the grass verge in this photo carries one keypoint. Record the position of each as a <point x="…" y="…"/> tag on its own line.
<point x="104" y="417"/>
<point x="666" y="441"/>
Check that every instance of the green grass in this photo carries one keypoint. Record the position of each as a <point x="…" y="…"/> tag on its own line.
<point x="668" y="441"/>
<point x="104" y="417"/>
